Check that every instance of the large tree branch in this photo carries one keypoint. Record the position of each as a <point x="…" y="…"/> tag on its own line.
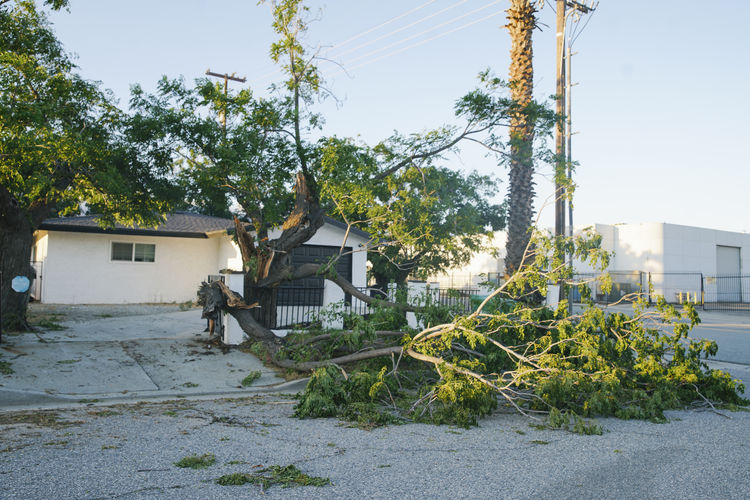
<point x="308" y="366"/>
<point x="304" y="220"/>
<point x="427" y="154"/>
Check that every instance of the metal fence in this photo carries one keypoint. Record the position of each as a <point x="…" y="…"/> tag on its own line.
<point x="624" y="284"/>
<point x="726" y="293"/>
<point x="677" y="288"/>
<point x="459" y="299"/>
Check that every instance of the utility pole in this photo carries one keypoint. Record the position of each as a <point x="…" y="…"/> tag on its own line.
<point x="564" y="132"/>
<point x="560" y="130"/>
<point x="226" y="77"/>
<point x="563" y="91"/>
<point x="569" y="131"/>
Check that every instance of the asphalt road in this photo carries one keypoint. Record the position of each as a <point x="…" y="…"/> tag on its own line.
<point x="130" y="451"/>
<point x="730" y="331"/>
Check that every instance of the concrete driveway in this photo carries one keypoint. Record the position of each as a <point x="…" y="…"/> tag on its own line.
<point x="121" y="353"/>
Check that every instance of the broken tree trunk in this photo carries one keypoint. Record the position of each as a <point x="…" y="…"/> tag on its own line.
<point x="216" y="297"/>
<point x="267" y="262"/>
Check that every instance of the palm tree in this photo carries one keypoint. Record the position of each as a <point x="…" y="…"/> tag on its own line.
<point x="521" y="22"/>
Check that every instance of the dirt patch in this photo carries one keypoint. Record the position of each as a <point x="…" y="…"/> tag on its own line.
<point x="59" y="313"/>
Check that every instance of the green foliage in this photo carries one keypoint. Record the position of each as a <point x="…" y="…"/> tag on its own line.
<point x="570" y="421"/>
<point x="50" y="325"/>
<point x="457" y="401"/>
<point x="353" y="398"/>
<point x="422" y="219"/>
<point x="574" y="367"/>
<point x="251" y="377"/>
<point x="286" y="476"/>
<point x="63" y="141"/>
<point x="591" y="363"/>
<point x="197" y="461"/>
<point x="5" y="368"/>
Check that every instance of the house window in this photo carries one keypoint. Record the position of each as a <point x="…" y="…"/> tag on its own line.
<point x="133" y="252"/>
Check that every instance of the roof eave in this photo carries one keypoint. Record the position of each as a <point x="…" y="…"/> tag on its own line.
<point x="121" y="231"/>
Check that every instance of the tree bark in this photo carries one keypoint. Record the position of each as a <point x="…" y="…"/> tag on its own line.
<point x="268" y="263"/>
<point x="16" y="239"/>
<point x="521" y="23"/>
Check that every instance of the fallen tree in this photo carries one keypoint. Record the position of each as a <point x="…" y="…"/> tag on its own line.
<point x="536" y="360"/>
<point x="261" y="162"/>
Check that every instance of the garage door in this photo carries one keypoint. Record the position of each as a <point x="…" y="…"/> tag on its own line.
<point x="313" y="286"/>
<point x="728" y="270"/>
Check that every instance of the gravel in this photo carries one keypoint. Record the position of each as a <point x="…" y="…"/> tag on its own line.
<point x="128" y="451"/>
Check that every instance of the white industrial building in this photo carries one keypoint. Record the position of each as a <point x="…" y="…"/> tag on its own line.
<point x="680" y="262"/>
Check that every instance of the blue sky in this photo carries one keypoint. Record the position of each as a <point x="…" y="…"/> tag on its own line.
<point x="660" y="108"/>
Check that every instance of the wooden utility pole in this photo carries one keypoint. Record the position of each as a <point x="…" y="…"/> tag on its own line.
<point x="563" y="91"/>
<point x="226" y="77"/>
<point x="560" y="130"/>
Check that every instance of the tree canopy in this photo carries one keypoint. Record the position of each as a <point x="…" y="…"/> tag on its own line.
<point x="63" y="142"/>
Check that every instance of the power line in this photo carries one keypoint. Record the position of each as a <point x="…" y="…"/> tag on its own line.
<point x="411" y="37"/>
<point x="418" y="21"/>
<point x="422" y="42"/>
<point x="399" y="42"/>
<point x="374" y="28"/>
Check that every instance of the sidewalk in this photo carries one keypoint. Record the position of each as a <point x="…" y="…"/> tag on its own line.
<point x="124" y="359"/>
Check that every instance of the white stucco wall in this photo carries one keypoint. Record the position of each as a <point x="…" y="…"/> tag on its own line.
<point x="637" y="247"/>
<point x="228" y="255"/>
<point x="694" y="248"/>
<point x="668" y="248"/>
<point x="479" y="266"/>
<point x="39" y="251"/>
<point x="78" y="269"/>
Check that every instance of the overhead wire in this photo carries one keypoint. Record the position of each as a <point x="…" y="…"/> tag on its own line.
<point x="422" y="42"/>
<point x="265" y="76"/>
<point x="391" y="33"/>
<point x="389" y="21"/>
<point x="276" y="71"/>
<point x="433" y="28"/>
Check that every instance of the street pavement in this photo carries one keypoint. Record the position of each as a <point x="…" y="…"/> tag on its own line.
<point x="128" y="397"/>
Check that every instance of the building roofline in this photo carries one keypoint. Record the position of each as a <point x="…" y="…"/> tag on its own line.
<point x="344" y="226"/>
<point x="68" y="224"/>
<point x="119" y="231"/>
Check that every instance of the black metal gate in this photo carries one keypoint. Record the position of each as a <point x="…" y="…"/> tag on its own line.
<point x="727" y="293"/>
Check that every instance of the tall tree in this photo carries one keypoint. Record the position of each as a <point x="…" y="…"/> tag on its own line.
<point x="62" y="142"/>
<point x="521" y="23"/>
<point x="267" y="147"/>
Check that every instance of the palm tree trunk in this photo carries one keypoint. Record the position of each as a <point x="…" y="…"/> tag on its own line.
<point x="521" y="22"/>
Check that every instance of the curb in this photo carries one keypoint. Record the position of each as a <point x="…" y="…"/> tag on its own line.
<point x="68" y="401"/>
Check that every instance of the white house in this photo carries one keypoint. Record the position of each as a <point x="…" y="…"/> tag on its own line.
<point x="79" y="262"/>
